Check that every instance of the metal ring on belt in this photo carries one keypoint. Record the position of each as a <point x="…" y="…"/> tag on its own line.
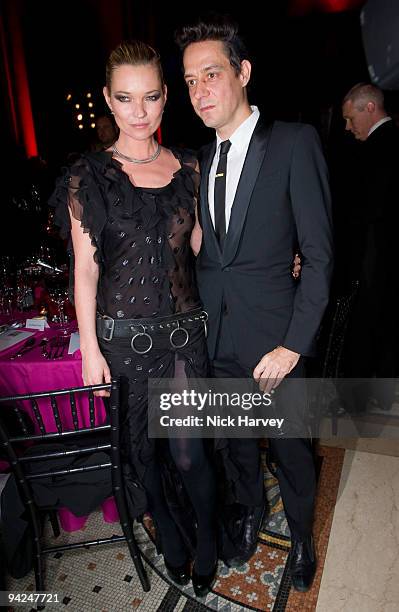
<point x="178" y="328"/>
<point x="141" y="334"/>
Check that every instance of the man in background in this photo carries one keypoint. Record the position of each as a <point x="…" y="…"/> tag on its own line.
<point x="107" y="133"/>
<point x="369" y="253"/>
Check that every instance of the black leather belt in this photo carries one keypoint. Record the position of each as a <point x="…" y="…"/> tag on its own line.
<point x="109" y="328"/>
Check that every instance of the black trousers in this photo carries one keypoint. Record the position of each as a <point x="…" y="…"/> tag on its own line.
<point x="293" y="456"/>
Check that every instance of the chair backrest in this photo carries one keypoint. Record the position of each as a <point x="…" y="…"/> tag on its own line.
<point x="60" y="411"/>
<point x="336" y="338"/>
<point x="79" y="435"/>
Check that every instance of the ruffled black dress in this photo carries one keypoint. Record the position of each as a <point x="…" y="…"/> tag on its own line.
<point x="146" y="269"/>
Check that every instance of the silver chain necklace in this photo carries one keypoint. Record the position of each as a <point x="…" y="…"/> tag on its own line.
<point x="132" y="160"/>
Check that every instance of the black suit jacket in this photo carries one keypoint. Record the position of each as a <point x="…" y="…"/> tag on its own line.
<point x="282" y="204"/>
<point x="379" y="195"/>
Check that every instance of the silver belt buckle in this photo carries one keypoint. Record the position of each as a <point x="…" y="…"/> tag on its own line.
<point x="205" y="320"/>
<point x="108" y="332"/>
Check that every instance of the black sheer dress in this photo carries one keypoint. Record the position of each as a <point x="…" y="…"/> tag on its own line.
<point x="146" y="269"/>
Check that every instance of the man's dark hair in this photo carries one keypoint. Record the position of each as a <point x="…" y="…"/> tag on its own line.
<point x="215" y="27"/>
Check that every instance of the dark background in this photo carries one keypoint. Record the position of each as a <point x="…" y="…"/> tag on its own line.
<point x="301" y="64"/>
<point x="306" y="54"/>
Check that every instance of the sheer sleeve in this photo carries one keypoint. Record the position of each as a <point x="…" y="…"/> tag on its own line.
<point x="189" y="161"/>
<point x="78" y="190"/>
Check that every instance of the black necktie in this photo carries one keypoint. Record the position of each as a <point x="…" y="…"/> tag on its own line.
<point x="220" y="193"/>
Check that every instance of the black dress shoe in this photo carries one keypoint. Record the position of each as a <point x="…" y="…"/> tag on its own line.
<point x="203" y="584"/>
<point x="302" y="564"/>
<point x="245" y="538"/>
<point x="180" y="574"/>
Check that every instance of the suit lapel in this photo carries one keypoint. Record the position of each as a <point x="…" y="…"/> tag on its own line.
<point x="209" y="235"/>
<point x="257" y="150"/>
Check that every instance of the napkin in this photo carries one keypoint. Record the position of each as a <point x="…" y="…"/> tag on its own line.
<point x="13" y="336"/>
<point x="74" y="343"/>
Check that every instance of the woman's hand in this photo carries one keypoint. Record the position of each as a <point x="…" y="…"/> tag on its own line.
<point x="95" y="371"/>
<point x="296" y="266"/>
<point x="196" y="234"/>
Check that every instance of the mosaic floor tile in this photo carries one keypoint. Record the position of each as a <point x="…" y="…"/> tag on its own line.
<point x="104" y="579"/>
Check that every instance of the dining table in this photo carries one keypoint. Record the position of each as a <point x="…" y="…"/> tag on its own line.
<point x="43" y="363"/>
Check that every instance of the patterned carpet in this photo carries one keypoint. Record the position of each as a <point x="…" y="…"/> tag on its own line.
<point x="102" y="579"/>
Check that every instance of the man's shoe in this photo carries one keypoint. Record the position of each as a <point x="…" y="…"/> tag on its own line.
<point x="302" y="564"/>
<point x="252" y="527"/>
<point x="180" y="574"/>
<point x="246" y="529"/>
<point x="203" y="584"/>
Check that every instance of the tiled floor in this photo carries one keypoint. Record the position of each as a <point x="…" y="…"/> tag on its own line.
<point x="103" y="578"/>
<point x="357" y="539"/>
<point x="362" y="565"/>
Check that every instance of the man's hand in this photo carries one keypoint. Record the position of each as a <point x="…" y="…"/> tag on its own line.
<point x="273" y="367"/>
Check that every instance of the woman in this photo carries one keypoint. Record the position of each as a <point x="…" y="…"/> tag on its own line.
<point x="131" y="214"/>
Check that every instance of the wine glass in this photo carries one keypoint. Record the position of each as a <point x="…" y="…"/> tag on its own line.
<point x="59" y="296"/>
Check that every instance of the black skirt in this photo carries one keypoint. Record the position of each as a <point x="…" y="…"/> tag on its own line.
<point x="163" y="360"/>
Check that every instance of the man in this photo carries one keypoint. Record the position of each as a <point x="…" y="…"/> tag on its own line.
<point x="370" y="252"/>
<point x="275" y="199"/>
<point x="363" y="111"/>
<point x="107" y="133"/>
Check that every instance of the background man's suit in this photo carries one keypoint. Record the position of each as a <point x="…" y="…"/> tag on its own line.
<point x="372" y="347"/>
<point x="282" y="204"/>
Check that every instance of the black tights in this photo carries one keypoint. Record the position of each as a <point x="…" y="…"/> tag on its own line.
<point x="198" y="478"/>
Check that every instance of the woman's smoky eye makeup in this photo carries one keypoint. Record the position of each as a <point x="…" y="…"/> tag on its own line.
<point x="152" y="98"/>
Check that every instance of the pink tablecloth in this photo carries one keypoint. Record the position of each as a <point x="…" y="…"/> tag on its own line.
<point x="33" y="373"/>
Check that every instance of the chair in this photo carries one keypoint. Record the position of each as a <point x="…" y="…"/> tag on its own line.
<point x="89" y="439"/>
<point x="332" y="362"/>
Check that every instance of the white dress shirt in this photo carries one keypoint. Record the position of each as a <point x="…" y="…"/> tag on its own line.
<point x="235" y="161"/>
<point x="377" y="125"/>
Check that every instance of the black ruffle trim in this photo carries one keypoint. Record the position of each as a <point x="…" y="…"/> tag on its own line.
<point x="95" y="183"/>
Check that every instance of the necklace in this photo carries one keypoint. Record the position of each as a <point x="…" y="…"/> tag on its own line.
<point x="132" y="160"/>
